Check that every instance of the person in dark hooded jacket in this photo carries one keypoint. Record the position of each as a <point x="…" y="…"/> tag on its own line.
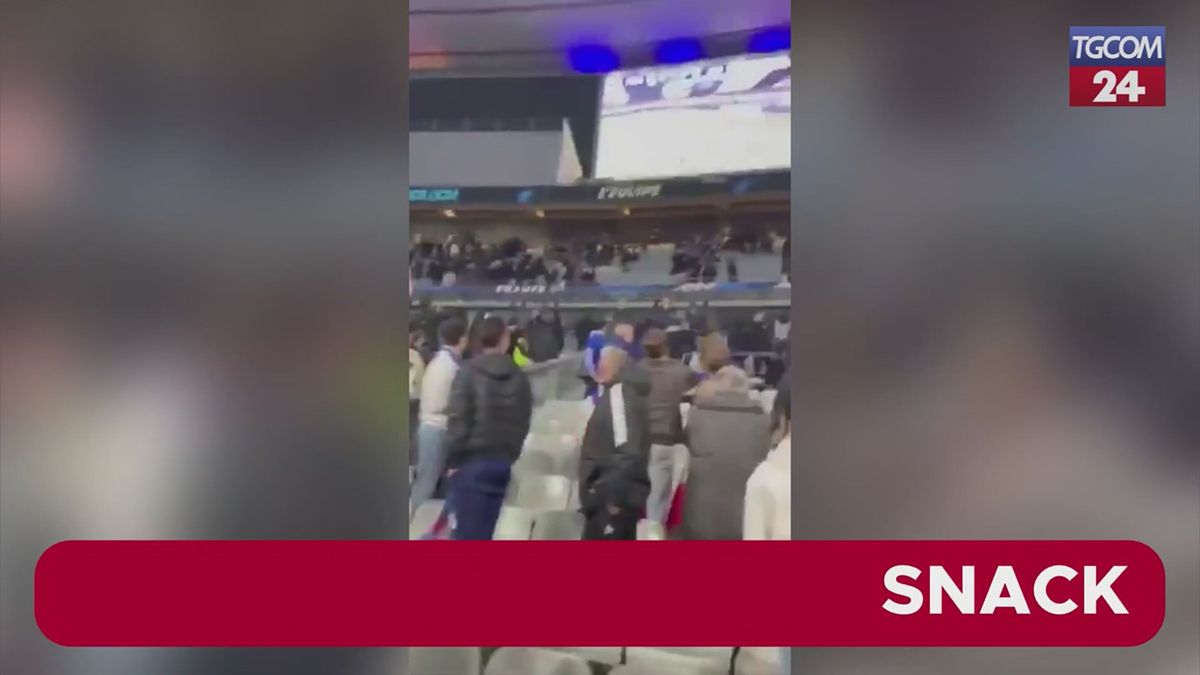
<point x="488" y="416"/>
<point x="613" y="472"/>
<point x="545" y="336"/>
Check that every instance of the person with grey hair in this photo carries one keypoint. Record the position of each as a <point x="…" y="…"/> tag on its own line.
<point x="728" y="436"/>
<point x="613" y="478"/>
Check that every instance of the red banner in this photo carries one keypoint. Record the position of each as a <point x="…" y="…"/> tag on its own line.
<point x="801" y="593"/>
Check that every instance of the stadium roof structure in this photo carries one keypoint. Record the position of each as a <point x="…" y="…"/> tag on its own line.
<point x="506" y="37"/>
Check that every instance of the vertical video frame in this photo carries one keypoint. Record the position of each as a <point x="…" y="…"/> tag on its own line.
<point x="600" y="313"/>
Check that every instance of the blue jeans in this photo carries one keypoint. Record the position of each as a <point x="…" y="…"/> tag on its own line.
<point x="477" y="493"/>
<point x="431" y="463"/>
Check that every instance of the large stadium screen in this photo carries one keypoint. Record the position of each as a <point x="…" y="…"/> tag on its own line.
<point x="718" y="116"/>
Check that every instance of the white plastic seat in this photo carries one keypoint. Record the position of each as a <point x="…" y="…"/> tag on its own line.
<point x="716" y="658"/>
<point x="514" y="523"/>
<point x="758" y="662"/>
<point x="649" y="530"/>
<point x="610" y="656"/>
<point x="532" y="661"/>
<point x="534" y="460"/>
<point x="444" y="661"/>
<point x="558" y="526"/>
<point x="557" y="456"/>
<point x="542" y="493"/>
<point x="424" y="518"/>
<point x="682" y="667"/>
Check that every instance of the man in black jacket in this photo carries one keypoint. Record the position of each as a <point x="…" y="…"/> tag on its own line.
<point x="545" y="335"/>
<point x="487" y="420"/>
<point x="613" y="475"/>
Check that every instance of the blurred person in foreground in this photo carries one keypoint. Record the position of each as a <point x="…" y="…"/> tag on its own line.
<point x="487" y="420"/>
<point x="768" y="512"/>
<point x="669" y="381"/>
<point x="435" y="400"/>
<point x="613" y="476"/>
<point x="768" y="505"/>
<point x="728" y="435"/>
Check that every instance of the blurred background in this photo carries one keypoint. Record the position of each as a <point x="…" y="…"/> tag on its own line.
<point x="996" y="301"/>
<point x="203" y="236"/>
<point x="203" y="245"/>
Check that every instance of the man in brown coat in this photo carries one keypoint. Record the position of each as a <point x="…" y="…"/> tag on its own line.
<point x="669" y="381"/>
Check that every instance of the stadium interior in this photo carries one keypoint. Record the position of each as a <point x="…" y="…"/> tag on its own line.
<point x="573" y="187"/>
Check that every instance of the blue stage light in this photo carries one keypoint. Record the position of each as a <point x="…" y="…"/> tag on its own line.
<point x="679" y="50"/>
<point x="771" y="40"/>
<point x="590" y="59"/>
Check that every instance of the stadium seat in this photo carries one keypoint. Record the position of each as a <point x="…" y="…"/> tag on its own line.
<point x="649" y="530"/>
<point x="716" y="658"/>
<point x="757" y="662"/>
<point x="683" y="667"/>
<point x="514" y="523"/>
<point x="561" y="417"/>
<point x="444" y="661"/>
<point x="610" y="656"/>
<point x="561" y="455"/>
<point x="542" y="493"/>
<point x="537" y="461"/>
<point x="531" y="661"/>
<point x="558" y="526"/>
<point x="424" y="518"/>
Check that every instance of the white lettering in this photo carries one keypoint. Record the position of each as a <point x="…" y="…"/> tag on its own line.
<point x="1118" y="46"/>
<point x="1080" y="41"/>
<point x="891" y="581"/>
<point x="940" y="583"/>
<point x="1004" y="592"/>
<point x="629" y="191"/>
<point x="1096" y="590"/>
<point x="1041" y="593"/>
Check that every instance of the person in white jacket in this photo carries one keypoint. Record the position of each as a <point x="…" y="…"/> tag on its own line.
<point x="768" y="506"/>
<point x="435" y="396"/>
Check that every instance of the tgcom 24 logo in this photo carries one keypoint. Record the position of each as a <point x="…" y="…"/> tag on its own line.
<point x="1118" y="66"/>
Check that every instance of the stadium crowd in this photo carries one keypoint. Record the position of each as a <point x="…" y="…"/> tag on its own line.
<point x="691" y="448"/>
<point x="464" y="259"/>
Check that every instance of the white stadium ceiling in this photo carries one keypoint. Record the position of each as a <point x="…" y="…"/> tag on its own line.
<point x="526" y="36"/>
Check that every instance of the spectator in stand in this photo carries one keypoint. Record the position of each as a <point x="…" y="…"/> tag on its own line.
<point x="613" y="478"/>
<point x="583" y="329"/>
<point x="416" y="373"/>
<point x="768" y="506"/>
<point x="714" y="355"/>
<point x="520" y="351"/>
<point x="785" y="254"/>
<point x="487" y="420"/>
<point x="728" y="435"/>
<point x="592" y="348"/>
<point x="669" y="381"/>
<point x="434" y="401"/>
<point x="624" y="337"/>
<point x="545" y="335"/>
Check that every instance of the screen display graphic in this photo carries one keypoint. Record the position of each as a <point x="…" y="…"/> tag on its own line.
<point x="718" y="116"/>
